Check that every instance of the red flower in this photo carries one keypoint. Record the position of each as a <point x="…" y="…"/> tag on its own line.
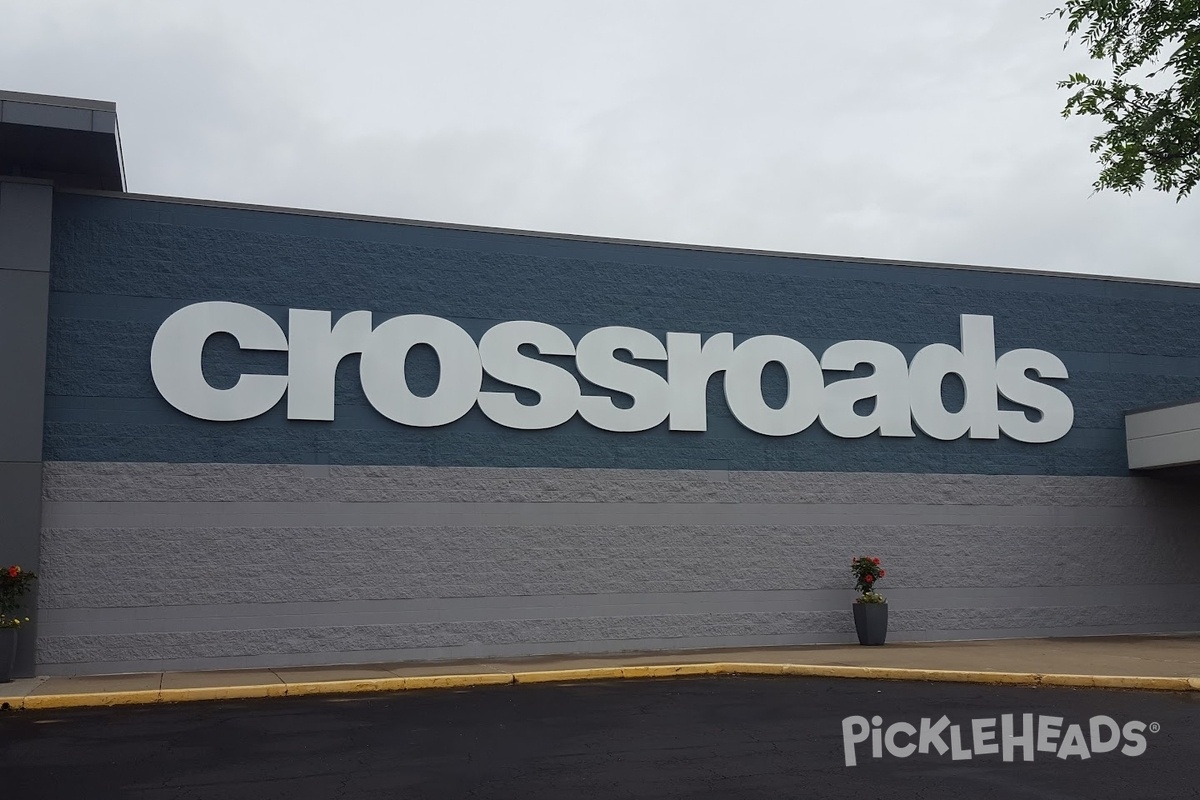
<point x="882" y="572"/>
<point x="868" y="578"/>
<point x="874" y="560"/>
<point x="14" y="571"/>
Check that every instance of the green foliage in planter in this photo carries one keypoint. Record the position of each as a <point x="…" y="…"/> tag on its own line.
<point x="867" y="573"/>
<point x="14" y="583"/>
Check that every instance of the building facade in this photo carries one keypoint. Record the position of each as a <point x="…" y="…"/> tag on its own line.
<point x="239" y="436"/>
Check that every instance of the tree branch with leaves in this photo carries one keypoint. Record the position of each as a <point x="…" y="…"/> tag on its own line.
<point x="1153" y="118"/>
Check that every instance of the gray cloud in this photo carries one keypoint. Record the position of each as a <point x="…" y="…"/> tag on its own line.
<point x="926" y="130"/>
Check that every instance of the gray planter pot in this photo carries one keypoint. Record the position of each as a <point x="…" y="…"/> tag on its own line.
<point x="870" y="620"/>
<point x="8" y="653"/>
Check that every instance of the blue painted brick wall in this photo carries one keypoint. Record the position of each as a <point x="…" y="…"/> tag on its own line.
<point x="122" y="265"/>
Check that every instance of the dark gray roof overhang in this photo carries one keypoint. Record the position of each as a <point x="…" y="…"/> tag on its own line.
<point x="73" y="142"/>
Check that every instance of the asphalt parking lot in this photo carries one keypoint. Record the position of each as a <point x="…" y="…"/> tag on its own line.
<point x="725" y="737"/>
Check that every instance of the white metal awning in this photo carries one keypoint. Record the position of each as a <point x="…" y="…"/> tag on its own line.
<point x="1163" y="437"/>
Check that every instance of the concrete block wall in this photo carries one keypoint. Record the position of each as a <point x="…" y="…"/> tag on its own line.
<point x="169" y="542"/>
<point x="182" y="566"/>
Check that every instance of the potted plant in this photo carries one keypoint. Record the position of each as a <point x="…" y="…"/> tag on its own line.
<point x="870" y="608"/>
<point x="14" y="582"/>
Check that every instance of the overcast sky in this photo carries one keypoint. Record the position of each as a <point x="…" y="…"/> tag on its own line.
<point x="924" y="130"/>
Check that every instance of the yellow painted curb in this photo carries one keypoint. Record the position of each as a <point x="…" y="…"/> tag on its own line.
<point x="751" y="668"/>
<point x="1051" y="679"/>
<point x="964" y="676"/>
<point x="1121" y="682"/>
<point x="84" y="699"/>
<point x="952" y="676"/>
<point x="453" y="681"/>
<point x="671" y="670"/>
<point x="246" y="692"/>
<point x="306" y="688"/>
<point x="879" y="673"/>
<point x="397" y="683"/>
<point x="564" y="675"/>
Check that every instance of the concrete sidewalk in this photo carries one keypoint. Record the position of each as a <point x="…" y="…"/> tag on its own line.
<point x="1131" y="662"/>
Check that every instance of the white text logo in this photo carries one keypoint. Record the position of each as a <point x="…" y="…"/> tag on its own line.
<point x="1007" y="736"/>
<point x="903" y="394"/>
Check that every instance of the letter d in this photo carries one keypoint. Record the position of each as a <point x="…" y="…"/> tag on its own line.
<point x="975" y="364"/>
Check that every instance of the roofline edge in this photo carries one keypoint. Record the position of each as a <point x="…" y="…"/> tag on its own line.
<point x="576" y="237"/>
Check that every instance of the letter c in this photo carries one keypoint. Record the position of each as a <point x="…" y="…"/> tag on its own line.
<point x="889" y="739"/>
<point x="175" y="361"/>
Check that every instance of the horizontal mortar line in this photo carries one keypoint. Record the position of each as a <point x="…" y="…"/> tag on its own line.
<point x="336" y="614"/>
<point x="220" y="476"/>
<point x="274" y="514"/>
<point x="356" y="491"/>
<point x="542" y="647"/>
<point x="332" y="621"/>
<point x="996" y="589"/>
<point x="553" y="647"/>
<point x="193" y="593"/>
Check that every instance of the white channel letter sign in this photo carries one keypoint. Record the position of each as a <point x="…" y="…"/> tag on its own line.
<point x="905" y="394"/>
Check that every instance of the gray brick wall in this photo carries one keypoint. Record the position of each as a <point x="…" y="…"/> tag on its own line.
<point x="153" y="566"/>
<point x="122" y="265"/>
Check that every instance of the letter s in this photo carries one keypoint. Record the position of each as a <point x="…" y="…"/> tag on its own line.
<point x="1133" y="732"/>
<point x="557" y="389"/>
<point x="596" y="361"/>
<point x="1058" y="415"/>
